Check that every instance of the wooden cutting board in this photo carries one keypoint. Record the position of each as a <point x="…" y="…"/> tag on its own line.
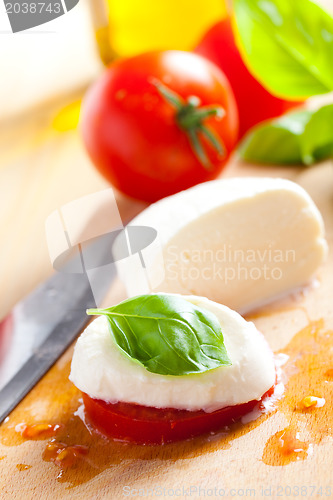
<point x="256" y="458"/>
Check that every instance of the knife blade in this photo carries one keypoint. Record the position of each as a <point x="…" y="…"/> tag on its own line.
<point x="49" y="319"/>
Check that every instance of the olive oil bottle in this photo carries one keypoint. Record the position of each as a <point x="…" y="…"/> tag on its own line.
<point x="128" y="27"/>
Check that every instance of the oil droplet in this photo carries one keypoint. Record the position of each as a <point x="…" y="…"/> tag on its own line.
<point x="38" y="431"/>
<point x="22" y="467"/>
<point x="310" y="402"/>
<point x="63" y="455"/>
<point x="285" y="447"/>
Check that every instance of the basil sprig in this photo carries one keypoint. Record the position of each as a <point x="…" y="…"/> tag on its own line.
<point x="301" y="137"/>
<point x="167" y="334"/>
<point x="287" y="45"/>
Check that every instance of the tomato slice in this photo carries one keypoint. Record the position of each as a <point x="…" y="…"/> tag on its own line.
<point x="153" y="426"/>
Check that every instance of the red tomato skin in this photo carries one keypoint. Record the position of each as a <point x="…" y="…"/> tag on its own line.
<point x="130" y="130"/>
<point x="155" y="426"/>
<point x="255" y="103"/>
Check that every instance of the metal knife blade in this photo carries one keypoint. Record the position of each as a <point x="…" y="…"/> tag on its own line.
<point x="48" y="320"/>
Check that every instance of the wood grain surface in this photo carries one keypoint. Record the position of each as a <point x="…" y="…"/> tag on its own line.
<point x="253" y="459"/>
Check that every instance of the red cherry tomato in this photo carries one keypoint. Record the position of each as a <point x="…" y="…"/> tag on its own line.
<point x="139" y="139"/>
<point x="146" y="425"/>
<point x="254" y="102"/>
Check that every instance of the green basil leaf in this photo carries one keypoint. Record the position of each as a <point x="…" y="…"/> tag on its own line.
<point x="287" y="45"/>
<point x="302" y="137"/>
<point x="167" y="334"/>
<point x="317" y="139"/>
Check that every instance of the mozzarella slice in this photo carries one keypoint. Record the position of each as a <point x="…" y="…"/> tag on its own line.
<point x="100" y="369"/>
<point x="241" y="242"/>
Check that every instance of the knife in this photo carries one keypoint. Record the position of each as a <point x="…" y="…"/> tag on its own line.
<point x="48" y="320"/>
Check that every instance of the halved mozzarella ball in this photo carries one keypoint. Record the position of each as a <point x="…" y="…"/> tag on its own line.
<point x="241" y="242"/>
<point x="101" y="370"/>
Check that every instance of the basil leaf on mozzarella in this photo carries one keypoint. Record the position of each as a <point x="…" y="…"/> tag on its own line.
<point x="168" y="335"/>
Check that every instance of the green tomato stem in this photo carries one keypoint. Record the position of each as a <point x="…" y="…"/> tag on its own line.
<point x="214" y="139"/>
<point x="198" y="148"/>
<point x="190" y="118"/>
